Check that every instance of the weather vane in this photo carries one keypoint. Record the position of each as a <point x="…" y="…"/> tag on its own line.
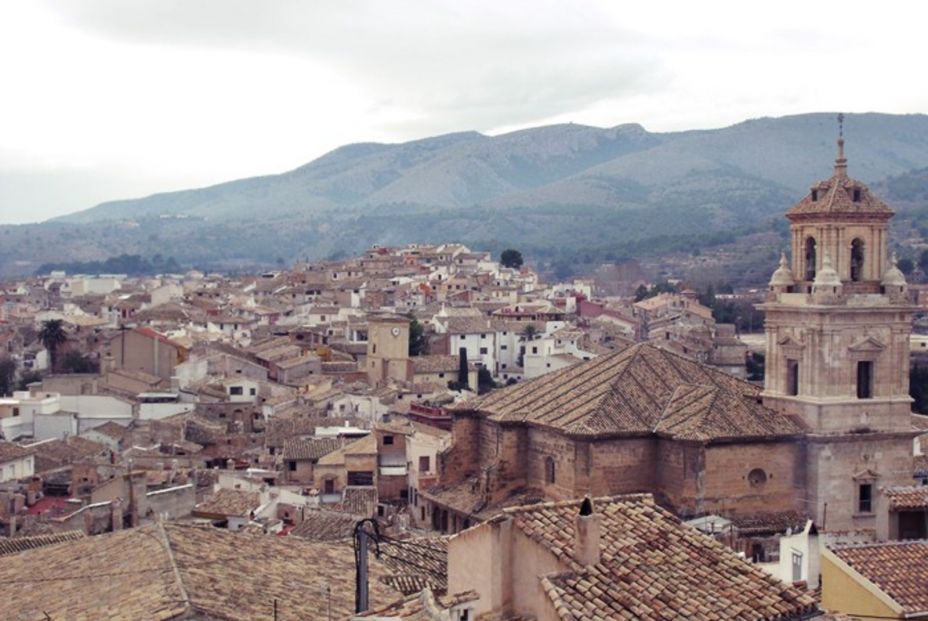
<point x="840" y="125"/>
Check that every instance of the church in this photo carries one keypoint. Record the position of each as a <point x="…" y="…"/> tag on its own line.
<point x="829" y="431"/>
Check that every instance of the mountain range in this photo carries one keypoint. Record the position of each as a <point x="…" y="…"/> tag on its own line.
<point x="561" y="193"/>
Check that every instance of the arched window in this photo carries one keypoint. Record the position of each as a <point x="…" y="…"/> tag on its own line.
<point x="810" y="258"/>
<point x="857" y="260"/>
<point x="549" y="470"/>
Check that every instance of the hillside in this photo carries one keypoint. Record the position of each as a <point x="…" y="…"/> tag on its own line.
<point x="565" y="194"/>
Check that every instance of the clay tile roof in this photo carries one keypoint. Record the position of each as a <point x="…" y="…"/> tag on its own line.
<point x="652" y="567"/>
<point x="174" y="571"/>
<point x="10" y="451"/>
<point x="232" y="502"/>
<point x="424" y="605"/>
<point x="912" y="497"/>
<point x="416" y="563"/>
<point x="20" y="544"/>
<point x="835" y="197"/>
<point x="772" y="522"/>
<point x="309" y="448"/>
<point x="435" y="364"/>
<point x="640" y="390"/>
<point x="325" y="526"/>
<point x="898" y="568"/>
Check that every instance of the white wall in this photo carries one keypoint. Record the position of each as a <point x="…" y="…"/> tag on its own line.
<point x="58" y="425"/>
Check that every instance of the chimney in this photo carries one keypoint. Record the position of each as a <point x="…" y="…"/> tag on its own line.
<point x="587" y="534"/>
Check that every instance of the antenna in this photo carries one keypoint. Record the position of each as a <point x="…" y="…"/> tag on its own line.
<point x="840" y="125"/>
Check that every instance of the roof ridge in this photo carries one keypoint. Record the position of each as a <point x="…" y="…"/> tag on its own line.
<point x="166" y="542"/>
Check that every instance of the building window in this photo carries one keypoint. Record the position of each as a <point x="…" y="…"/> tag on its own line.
<point x="757" y="477"/>
<point x="810" y="258"/>
<point x="252" y="392"/>
<point x="291" y="466"/>
<point x="856" y="195"/>
<point x="857" y="260"/>
<point x="360" y="478"/>
<point x="483" y="351"/>
<point x="792" y="377"/>
<point x="236" y="390"/>
<point x="814" y="195"/>
<point x="424" y="463"/>
<point x="865" y="379"/>
<point x="388" y="439"/>
<point x="534" y="350"/>
<point x="865" y="498"/>
<point x="549" y="470"/>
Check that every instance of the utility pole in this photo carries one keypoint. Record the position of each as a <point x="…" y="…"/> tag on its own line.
<point x="365" y="531"/>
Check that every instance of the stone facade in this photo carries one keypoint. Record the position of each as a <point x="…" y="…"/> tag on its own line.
<point x="838" y="325"/>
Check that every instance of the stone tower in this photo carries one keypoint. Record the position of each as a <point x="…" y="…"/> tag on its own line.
<point x="388" y="349"/>
<point x="837" y="325"/>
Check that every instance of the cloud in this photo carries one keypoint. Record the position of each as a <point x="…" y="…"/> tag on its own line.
<point x="441" y="66"/>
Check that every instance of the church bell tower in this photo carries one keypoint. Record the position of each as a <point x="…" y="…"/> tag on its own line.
<point x="837" y="323"/>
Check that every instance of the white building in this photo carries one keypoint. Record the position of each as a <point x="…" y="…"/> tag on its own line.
<point x="16" y="462"/>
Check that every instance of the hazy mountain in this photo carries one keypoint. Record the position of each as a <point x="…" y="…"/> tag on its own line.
<point x="561" y="193"/>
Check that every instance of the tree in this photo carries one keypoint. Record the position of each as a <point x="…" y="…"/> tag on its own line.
<point x="641" y="293"/>
<point x="27" y="378"/>
<point x="923" y="261"/>
<point x="53" y="337"/>
<point x="7" y="375"/>
<point x="418" y="343"/>
<point x="529" y="332"/>
<point x="485" y="381"/>
<point x="511" y="258"/>
<point x="905" y="265"/>
<point x="74" y="362"/>
<point x="918" y="388"/>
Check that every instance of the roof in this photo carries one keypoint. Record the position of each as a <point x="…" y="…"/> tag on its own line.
<point x="20" y="544"/>
<point x="898" y="568"/>
<point x="652" y="566"/>
<point x="233" y="502"/>
<point x="417" y="563"/>
<point x="325" y="526"/>
<point x="640" y="390"/>
<point x="435" y="364"/>
<point x="10" y="451"/>
<point x="835" y="197"/>
<point x="910" y="497"/>
<point x="309" y="448"/>
<point x="169" y="571"/>
<point x="363" y="446"/>
<point x="424" y="606"/>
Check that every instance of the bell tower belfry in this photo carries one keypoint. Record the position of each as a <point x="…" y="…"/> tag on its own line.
<point x="837" y="322"/>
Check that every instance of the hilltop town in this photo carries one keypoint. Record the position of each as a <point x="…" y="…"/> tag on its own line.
<point x="432" y="432"/>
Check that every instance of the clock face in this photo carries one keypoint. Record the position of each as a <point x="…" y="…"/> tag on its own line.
<point x="395" y="331"/>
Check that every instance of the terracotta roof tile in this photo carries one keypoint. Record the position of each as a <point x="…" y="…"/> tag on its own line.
<point x="20" y="544"/>
<point x="899" y="569"/>
<point x="174" y="571"/>
<point x="640" y="390"/>
<point x="652" y="567"/>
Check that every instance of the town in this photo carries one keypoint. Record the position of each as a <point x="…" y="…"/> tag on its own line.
<point x="429" y="432"/>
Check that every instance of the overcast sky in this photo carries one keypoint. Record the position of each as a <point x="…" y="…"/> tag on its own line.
<point x="106" y="99"/>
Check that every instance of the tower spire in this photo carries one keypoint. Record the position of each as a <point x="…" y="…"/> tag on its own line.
<point x="840" y="161"/>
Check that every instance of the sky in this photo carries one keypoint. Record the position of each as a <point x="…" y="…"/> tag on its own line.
<point x="109" y="99"/>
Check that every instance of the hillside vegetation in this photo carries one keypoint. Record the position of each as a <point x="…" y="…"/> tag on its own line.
<point x="563" y="194"/>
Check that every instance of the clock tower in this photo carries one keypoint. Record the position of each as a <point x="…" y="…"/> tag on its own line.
<point x="837" y="322"/>
<point x="388" y="349"/>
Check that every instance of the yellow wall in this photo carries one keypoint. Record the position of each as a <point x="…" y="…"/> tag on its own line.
<point x="843" y="593"/>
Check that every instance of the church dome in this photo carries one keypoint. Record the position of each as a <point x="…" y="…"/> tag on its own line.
<point x="827" y="276"/>
<point x="894" y="276"/>
<point x="783" y="276"/>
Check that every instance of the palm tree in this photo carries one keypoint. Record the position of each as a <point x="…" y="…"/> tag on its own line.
<point x="53" y="337"/>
